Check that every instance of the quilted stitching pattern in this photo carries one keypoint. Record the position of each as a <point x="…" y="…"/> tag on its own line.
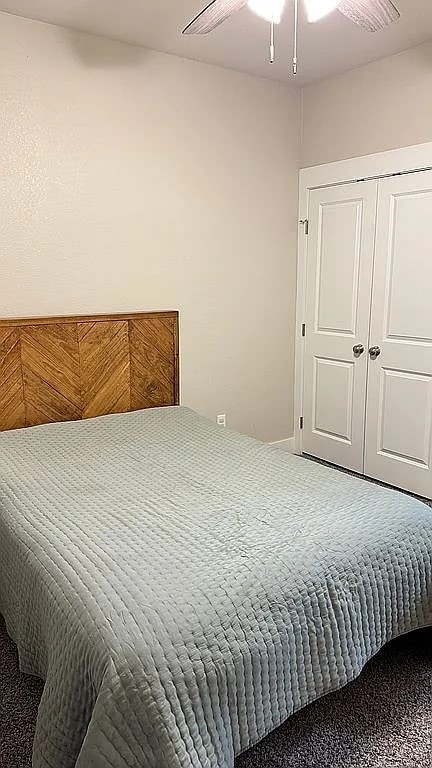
<point x="183" y="589"/>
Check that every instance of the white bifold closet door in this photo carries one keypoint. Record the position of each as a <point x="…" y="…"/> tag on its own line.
<point x="398" y="444"/>
<point x="368" y="346"/>
<point x="338" y="290"/>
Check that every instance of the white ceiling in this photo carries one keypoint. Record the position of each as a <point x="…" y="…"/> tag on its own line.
<point x="329" y="47"/>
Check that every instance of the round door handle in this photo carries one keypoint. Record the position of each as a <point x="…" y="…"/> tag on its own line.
<point x="374" y="352"/>
<point x="358" y="350"/>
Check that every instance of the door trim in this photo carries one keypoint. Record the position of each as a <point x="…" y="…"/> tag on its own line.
<point x="393" y="162"/>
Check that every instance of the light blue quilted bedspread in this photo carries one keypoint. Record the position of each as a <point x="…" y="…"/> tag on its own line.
<point x="183" y="589"/>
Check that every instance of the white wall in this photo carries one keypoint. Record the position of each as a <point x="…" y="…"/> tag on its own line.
<point x="384" y="105"/>
<point x="133" y="180"/>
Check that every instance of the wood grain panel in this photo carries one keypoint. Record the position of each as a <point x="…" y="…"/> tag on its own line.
<point x="68" y="368"/>
<point x="105" y="370"/>
<point x="51" y="372"/>
<point x="153" y="363"/>
<point x="12" y="406"/>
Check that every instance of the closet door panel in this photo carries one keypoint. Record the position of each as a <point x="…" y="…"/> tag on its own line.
<point x="339" y="275"/>
<point x="399" y="405"/>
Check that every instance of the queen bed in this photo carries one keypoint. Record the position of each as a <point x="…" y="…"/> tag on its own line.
<point x="181" y="589"/>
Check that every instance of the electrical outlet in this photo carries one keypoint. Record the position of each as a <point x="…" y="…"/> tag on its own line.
<point x="221" y="420"/>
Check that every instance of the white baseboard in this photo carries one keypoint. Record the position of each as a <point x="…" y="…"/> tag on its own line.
<point x="285" y="445"/>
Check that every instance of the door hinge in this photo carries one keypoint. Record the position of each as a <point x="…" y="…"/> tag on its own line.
<point x="305" y="223"/>
<point x="303" y="330"/>
<point x="301" y="422"/>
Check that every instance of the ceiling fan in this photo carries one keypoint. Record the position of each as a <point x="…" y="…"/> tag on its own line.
<point x="371" y="15"/>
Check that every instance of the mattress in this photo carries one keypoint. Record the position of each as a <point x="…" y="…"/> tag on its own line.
<point x="182" y="589"/>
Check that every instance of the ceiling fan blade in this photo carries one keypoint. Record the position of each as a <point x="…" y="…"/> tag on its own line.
<point x="212" y="15"/>
<point x="372" y="15"/>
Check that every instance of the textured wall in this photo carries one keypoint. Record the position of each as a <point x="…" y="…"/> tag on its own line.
<point x="384" y="105"/>
<point x="133" y="180"/>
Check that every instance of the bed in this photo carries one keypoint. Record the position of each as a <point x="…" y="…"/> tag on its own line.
<point x="183" y="589"/>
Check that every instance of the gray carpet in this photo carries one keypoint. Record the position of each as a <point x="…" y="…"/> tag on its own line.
<point x="381" y="720"/>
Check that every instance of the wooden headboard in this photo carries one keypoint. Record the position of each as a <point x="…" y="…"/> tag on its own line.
<point x="69" y="368"/>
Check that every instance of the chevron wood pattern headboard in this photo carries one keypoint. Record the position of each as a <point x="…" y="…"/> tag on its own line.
<point x="69" y="368"/>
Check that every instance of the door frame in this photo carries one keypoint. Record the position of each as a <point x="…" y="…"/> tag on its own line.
<point x="390" y="163"/>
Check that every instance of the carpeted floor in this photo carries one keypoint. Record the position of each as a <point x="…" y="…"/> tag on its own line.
<point x="19" y="700"/>
<point x="382" y="720"/>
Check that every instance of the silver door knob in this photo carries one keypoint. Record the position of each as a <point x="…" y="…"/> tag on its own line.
<point x="358" y="350"/>
<point x="374" y="352"/>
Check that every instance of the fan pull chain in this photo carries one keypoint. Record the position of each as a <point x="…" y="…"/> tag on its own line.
<point x="272" y="42"/>
<point x="296" y="15"/>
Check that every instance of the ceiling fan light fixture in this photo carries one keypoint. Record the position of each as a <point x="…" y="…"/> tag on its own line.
<point x="371" y="15"/>
<point x="317" y="9"/>
<point x="270" y="10"/>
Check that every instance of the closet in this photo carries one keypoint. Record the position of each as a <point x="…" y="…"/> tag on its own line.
<point x="367" y="310"/>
